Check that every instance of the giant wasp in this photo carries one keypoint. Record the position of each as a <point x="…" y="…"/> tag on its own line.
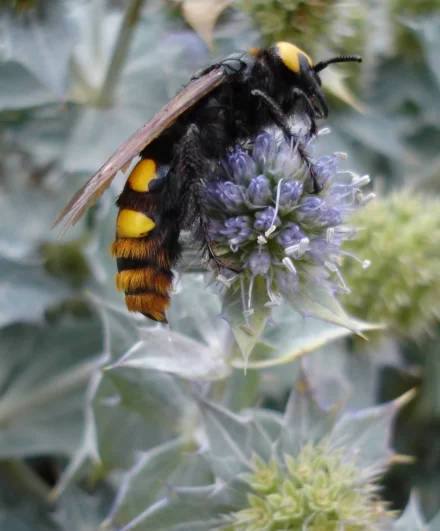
<point x="226" y="102"/>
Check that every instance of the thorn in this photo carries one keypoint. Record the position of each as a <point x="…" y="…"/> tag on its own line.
<point x="402" y="459"/>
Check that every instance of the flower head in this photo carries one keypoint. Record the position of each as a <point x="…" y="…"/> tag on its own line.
<point x="401" y="236"/>
<point x="265" y="222"/>
<point x="319" y="489"/>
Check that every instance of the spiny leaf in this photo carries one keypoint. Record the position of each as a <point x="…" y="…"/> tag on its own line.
<point x="172" y="464"/>
<point x="367" y="434"/>
<point x="292" y="336"/>
<point x="412" y="519"/>
<point x="247" y="329"/>
<point x="45" y="371"/>
<point x="172" y="352"/>
<point x="304" y="419"/>
<point x="42" y="40"/>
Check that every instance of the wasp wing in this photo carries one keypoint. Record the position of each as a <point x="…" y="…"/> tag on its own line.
<point x="96" y="185"/>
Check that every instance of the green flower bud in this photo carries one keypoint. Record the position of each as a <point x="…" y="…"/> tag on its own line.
<point x="319" y="489"/>
<point x="400" y="235"/>
<point x="292" y="20"/>
<point x="265" y="478"/>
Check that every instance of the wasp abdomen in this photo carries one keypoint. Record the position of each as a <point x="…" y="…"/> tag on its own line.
<point x="146" y="245"/>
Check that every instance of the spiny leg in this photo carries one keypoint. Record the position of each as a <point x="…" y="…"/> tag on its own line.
<point x="186" y="186"/>
<point x="282" y="122"/>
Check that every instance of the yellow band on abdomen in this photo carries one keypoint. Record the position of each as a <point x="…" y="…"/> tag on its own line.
<point x="132" y="224"/>
<point x="142" y="174"/>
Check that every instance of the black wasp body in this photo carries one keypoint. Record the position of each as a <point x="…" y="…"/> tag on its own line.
<point x="227" y="102"/>
<point x="263" y="88"/>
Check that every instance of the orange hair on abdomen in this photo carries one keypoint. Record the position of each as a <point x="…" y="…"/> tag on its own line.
<point x="146" y="245"/>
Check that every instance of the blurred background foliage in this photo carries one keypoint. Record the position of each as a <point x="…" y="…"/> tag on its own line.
<point x="76" y="79"/>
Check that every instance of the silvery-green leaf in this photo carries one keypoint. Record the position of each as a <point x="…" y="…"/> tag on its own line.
<point x="172" y="352"/>
<point x="427" y="403"/>
<point x="291" y="336"/>
<point x="19" y="89"/>
<point x="173" y="463"/>
<point x="195" y="312"/>
<point x="86" y="454"/>
<point x="366" y="435"/>
<point x="39" y="206"/>
<point x="42" y="40"/>
<point x="232" y="439"/>
<point x="378" y="133"/>
<point x="228" y="437"/>
<point x="411" y="518"/>
<point x="136" y="410"/>
<point x="78" y="510"/>
<point x="247" y="329"/>
<point x="435" y="522"/>
<point x="188" y="509"/>
<point x="265" y="430"/>
<point x="318" y="302"/>
<point x="106" y="130"/>
<point x="26" y="516"/>
<point x="241" y="390"/>
<point x="141" y="89"/>
<point x="304" y="419"/>
<point x="353" y="376"/>
<point x="44" y="374"/>
<point x="26" y="291"/>
<point x="118" y="334"/>
<point x="428" y="33"/>
<point x="114" y="433"/>
<point x="277" y="381"/>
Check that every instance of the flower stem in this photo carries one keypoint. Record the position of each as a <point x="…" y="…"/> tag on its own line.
<point x="120" y="51"/>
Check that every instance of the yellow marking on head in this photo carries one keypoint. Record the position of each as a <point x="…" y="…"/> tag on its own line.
<point x="254" y="51"/>
<point x="289" y="55"/>
<point x="142" y="174"/>
<point x="132" y="224"/>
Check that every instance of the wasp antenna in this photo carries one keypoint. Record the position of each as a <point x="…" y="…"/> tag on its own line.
<point x="339" y="59"/>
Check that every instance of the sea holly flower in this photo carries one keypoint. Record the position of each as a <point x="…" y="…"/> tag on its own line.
<point x="318" y="489"/>
<point x="310" y="469"/>
<point x="400" y="234"/>
<point x="265" y="222"/>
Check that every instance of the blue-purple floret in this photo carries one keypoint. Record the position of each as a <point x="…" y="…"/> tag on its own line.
<point x="290" y="192"/>
<point x="290" y="234"/>
<point x="259" y="192"/>
<point x="264" y="221"/>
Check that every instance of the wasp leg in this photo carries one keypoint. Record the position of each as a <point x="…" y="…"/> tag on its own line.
<point x="312" y="109"/>
<point x="275" y="110"/>
<point x="185" y="185"/>
<point x="282" y="122"/>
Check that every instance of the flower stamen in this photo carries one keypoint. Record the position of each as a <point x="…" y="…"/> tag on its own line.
<point x="289" y="265"/>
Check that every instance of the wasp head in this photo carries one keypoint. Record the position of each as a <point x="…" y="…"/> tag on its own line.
<point x="306" y="75"/>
